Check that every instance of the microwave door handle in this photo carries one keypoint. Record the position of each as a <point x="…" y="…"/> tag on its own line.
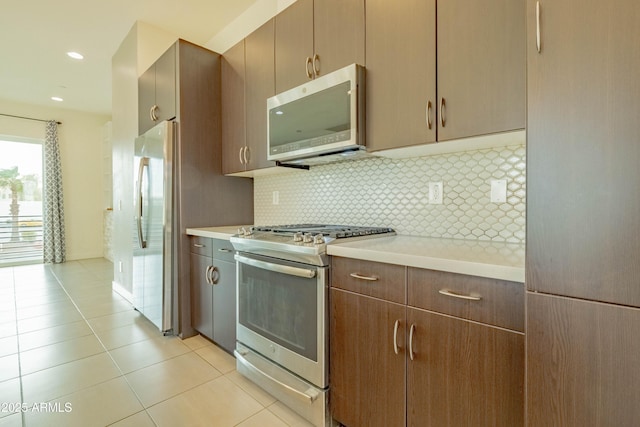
<point x="144" y="162"/>
<point x="278" y="268"/>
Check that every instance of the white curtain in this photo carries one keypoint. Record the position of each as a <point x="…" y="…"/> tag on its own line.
<point x="54" y="250"/>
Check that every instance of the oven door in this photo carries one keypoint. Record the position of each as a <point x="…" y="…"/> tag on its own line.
<point x="282" y="314"/>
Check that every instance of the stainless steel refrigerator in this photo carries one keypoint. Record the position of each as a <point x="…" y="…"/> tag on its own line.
<point x="154" y="252"/>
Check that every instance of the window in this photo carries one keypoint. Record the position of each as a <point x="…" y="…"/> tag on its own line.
<point x="20" y="200"/>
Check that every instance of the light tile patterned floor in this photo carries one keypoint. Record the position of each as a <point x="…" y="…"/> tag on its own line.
<point x="74" y="353"/>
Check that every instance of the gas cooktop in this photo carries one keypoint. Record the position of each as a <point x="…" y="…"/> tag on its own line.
<point x="308" y="241"/>
<point x="331" y="231"/>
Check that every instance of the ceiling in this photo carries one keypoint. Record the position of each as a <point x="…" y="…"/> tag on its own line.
<point x="36" y="34"/>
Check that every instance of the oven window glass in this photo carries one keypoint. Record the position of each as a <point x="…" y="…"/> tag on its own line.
<point x="280" y="307"/>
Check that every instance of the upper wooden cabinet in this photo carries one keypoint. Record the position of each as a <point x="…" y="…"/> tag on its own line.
<point x="247" y="82"/>
<point x="479" y="70"/>
<point x="157" y="92"/>
<point x="259" y="86"/>
<point x="233" y="110"/>
<point x="401" y="73"/>
<point x="583" y="205"/>
<point x="481" y="67"/>
<point x="313" y="38"/>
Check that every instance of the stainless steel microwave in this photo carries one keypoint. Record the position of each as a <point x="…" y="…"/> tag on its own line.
<point x="322" y="117"/>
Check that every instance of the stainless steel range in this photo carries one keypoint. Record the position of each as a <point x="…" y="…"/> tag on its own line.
<point x="282" y="313"/>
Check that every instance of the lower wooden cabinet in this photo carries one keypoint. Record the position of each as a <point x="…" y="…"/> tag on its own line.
<point x="367" y="377"/>
<point x="201" y="295"/>
<point x="462" y="373"/>
<point x="213" y="291"/>
<point x="583" y="364"/>
<point x="396" y="364"/>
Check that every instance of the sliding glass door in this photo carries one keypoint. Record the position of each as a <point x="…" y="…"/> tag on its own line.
<point x="20" y="201"/>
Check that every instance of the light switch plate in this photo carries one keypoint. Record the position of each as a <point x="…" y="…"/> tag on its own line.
<point x="499" y="191"/>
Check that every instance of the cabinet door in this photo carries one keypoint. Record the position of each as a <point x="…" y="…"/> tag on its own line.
<point x="233" y="109"/>
<point x="224" y="305"/>
<point x="463" y="373"/>
<point x="583" y="367"/>
<point x="481" y="67"/>
<point x="583" y="204"/>
<point x="367" y="377"/>
<point x="401" y="73"/>
<point x="146" y="99"/>
<point x="260" y="85"/>
<point x="294" y="44"/>
<point x="201" y="296"/>
<point x="166" y="84"/>
<point x="338" y="27"/>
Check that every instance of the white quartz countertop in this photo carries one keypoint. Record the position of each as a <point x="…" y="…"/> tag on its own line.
<point x="224" y="232"/>
<point x="477" y="258"/>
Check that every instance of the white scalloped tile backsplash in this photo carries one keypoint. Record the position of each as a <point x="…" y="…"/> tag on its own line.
<point x="394" y="193"/>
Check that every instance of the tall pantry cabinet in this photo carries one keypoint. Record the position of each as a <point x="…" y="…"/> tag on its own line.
<point x="583" y="213"/>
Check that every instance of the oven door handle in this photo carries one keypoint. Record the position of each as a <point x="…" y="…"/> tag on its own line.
<point x="278" y="268"/>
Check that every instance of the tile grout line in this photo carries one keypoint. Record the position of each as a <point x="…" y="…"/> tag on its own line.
<point x="122" y="375"/>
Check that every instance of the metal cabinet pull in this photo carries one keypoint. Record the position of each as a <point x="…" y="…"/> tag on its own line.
<point x="246" y="155"/>
<point x="309" y="68"/>
<point x="442" y="106"/>
<point x="538" y="26"/>
<point x="361" y="277"/>
<point x="207" y="274"/>
<point x="214" y="275"/>
<point x="225" y="250"/>
<point x="413" y="328"/>
<point x="152" y="113"/>
<point x="429" y="124"/>
<point x="395" y="336"/>
<point x="198" y="245"/>
<point x="316" y="65"/>
<point x="454" y="294"/>
<point x="240" y="155"/>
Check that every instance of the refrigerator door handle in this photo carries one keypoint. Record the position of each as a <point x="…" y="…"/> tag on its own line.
<point x="144" y="162"/>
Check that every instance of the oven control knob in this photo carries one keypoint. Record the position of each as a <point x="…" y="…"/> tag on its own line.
<point x="297" y="237"/>
<point x="307" y="238"/>
<point x="318" y="239"/>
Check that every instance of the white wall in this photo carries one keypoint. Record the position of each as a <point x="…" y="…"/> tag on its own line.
<point x="252" y="18"/>
<point x="137" y="52"/>
<point x="80" y="137"/>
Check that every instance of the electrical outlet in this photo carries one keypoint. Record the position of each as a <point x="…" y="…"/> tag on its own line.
<point x="276" y="197"/>
<point x="435" y="193"/>
<point x="499" y="191"/>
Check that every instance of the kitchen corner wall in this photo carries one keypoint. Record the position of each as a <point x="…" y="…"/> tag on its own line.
<point x="394" y="193"/>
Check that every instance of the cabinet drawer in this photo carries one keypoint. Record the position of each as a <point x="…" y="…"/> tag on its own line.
<point x="491" y="301"/>
<point x="201" y="245"/>
<point x="385" y="281"/>
<point x="223" y="250"/>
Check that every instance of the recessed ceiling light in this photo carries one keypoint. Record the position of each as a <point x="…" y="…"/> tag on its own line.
<point x="75" y="55"/>
<point x="57" y="98"/>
